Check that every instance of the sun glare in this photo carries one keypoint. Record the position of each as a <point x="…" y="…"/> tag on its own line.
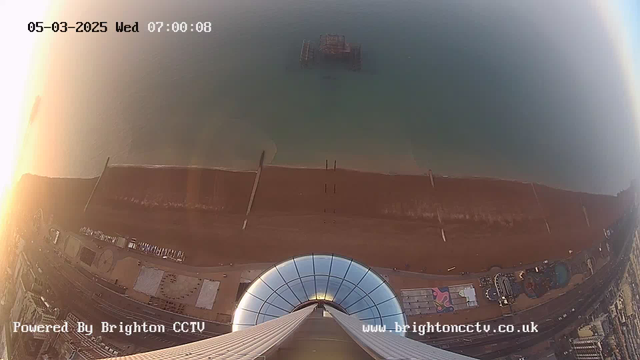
<point x="20" y="46"/>
<point x="621" y="38"/>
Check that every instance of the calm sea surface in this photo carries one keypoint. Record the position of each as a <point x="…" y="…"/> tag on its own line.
<point x="517" y="90"/>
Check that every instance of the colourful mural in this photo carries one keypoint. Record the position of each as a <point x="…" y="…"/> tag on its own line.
<point x="556" y="276"/>
<point x="442" y="300"/>
<point x="534" y="285"/>
<point x="562" y="275"/>
<point x="427" y="301"/>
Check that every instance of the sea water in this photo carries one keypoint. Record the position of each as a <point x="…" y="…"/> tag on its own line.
<point x="526" y="92"/>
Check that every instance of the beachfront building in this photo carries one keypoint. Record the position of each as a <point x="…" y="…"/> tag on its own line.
<point x="587" y="348"/>
<point x="296" y="308"/>
<point x="33" y="311"/>
<point x="503" y="287"/>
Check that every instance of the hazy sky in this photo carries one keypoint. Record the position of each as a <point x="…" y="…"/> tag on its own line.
<point x="630" y="10"/>
<point x="630" y="13"/>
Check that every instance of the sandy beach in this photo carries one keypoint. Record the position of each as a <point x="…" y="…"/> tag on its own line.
<point x="380" y="220"/>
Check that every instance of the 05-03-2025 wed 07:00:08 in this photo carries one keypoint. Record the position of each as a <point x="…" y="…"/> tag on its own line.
<point x="102" y="26"/>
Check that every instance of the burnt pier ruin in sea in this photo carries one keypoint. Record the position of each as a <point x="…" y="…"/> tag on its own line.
<point x="332" y="47"/>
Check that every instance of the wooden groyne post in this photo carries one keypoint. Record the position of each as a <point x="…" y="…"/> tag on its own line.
<point x="86" y="206"/>
<point x="586" y="216"/>
<point x="540" y="207"/>
<point x="253" y="191"/>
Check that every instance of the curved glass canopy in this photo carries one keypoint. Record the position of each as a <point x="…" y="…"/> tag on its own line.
<point x="342" y="283"/>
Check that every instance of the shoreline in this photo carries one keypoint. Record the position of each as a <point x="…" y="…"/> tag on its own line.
<point x="330" y="168"/>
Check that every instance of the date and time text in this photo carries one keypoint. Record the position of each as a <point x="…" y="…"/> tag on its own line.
<point x="104" y="26"/>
